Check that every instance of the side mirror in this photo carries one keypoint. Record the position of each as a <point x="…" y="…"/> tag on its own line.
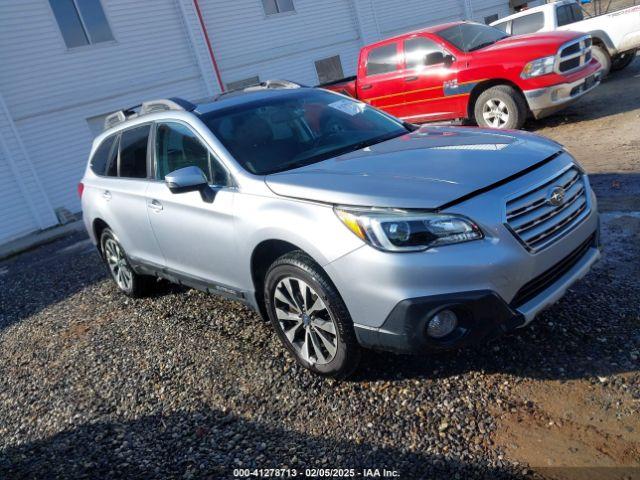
<point x="433" y="58"/>
<point x="187" y="179"/>
<point x="448" y="60"/>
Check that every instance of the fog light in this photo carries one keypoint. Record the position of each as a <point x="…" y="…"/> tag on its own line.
<point x="442" y="324"/>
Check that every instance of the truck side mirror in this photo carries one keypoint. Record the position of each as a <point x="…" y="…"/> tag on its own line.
<point x="433" y="58"/>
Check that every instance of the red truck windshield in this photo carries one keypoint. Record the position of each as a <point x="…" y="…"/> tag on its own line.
<point x="471" y="36"/>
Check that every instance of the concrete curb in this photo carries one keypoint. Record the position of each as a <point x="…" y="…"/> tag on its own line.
<point x="39" y="238"/>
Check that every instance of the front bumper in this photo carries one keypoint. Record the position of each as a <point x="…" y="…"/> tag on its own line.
<point x="483" y="315"/>
<point x="548" y="100"/>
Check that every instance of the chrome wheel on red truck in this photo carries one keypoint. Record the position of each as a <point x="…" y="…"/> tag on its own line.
<point x="500" y="107"/>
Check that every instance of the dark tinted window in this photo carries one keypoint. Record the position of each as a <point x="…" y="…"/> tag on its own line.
<point x="383" y="59"/>
<point x="568" y="14"/>
<point x="471" y="36"/>
<point x="101" y="157"/>
<point x="178" y="147"/>
<point x="81" y="22"/>
<point x="271" y="7"/>
<point x="527" y="24"/>
<point x="418" y="52"/>
<point x="133" y="152"/>
<point x="112" y="163"/>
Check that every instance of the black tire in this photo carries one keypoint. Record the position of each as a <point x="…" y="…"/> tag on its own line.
<point x="603" y="57"/>
<point x="514" y="105"/>
<point x="138" y="285"/>
<point x="298" y="266"/>
<point x="623" y="60"/>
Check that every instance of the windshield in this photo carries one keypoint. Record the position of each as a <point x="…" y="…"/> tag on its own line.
<point x="471" y="36"/>
<point x="279" y="132"/>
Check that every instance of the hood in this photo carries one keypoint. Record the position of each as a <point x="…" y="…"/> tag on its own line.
<point x="424" y="169"/>
<point x="539" y="44"/>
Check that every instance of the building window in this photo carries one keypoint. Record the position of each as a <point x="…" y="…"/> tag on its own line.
<point x="272" y="7"/>
<point x="82" y="22"/>
<point x="490" y="19"/>
<point x="329" y="69"/>
<point x="244" y="83"/>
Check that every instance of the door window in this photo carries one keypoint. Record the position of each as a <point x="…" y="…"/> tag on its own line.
<point x="419" y="52"/>
<point x="568" y="14"/>
<point x="133" y="152"/>
<point x="383" y="59"/>
<point x="177" y="147"/>
<point x="527" y="24"/>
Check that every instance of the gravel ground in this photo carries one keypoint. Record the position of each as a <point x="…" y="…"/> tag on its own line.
<point x="185" y="385"/>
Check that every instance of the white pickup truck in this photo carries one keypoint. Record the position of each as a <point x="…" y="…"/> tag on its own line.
<point x="616" y="35"/>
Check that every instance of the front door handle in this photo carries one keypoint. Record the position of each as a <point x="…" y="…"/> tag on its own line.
<point x="155" y="205"/>
<point x="410" y="79"/>
<point x="106" y="195"/>
<point x="366" y="87"/>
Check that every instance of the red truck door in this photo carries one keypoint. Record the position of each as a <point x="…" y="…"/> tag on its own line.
<point x="428" y="77"/>
<point x="380" y="78"/>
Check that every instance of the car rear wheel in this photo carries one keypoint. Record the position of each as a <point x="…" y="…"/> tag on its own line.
<point x="310" y="317"/>
<point x="622" y="60"/>
<point x="501" y="107"/>
<point x="127" y="280"/>
<point x="600" y="54"/>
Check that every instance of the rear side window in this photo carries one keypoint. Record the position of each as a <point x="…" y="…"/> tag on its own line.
<point x="418" y="52"/>
<point x="502" y="26"/>
<point x="102" y="155"/>
<point x="383" y="59"/>
<point x="133" y="152"/>
<point x="527" y="24"/>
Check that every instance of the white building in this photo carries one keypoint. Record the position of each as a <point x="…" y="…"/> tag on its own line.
<point x="64" y="64"/>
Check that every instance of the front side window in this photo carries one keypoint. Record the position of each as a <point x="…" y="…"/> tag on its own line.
<point x="177" y="146"/>
<point x="289" y="129"/>
<point x="383" y="59"/>
<point x="102" y="155"/>
<point x="421" y="52"/>
<point x="527" y="24"/>
<point x="272" y="7"/>
<point x="133" y="152"/>
<point x="81" y="22"/>
<point x="471" y="36"/>
<point x="568" y="14"/>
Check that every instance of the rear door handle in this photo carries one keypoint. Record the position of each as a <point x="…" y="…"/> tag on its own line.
<point x="366" y="87"/>
<point x="106" y="195"/>
<point x="410" y="79"/>
<point x="155" y="205"/>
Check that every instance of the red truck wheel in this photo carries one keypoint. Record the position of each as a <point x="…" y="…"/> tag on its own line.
<point x="501" y="107"/>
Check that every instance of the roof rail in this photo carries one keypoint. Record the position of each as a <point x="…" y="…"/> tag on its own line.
<point x="151" y="106"/>
<point x="265" y="85"/>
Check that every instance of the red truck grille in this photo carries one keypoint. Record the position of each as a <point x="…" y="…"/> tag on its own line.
<point x="574" y="55"/>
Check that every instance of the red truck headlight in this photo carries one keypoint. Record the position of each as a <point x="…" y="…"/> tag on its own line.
<point x="538" y="67"/>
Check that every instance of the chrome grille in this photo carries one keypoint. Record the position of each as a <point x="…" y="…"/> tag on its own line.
<point x="536" y="221"/>
<point x="574" y="55"/>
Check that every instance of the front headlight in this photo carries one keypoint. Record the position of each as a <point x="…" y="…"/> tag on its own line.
<point x="541" y="66"/>
<point x="407" y="231"/>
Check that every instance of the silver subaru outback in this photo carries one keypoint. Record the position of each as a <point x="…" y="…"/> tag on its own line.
<point x="343" y="226"/>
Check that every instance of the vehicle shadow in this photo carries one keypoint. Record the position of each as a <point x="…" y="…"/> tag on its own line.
<point x="210" y="444"/>
<point x="618" y="93"/>
<point x="35" y="280"/>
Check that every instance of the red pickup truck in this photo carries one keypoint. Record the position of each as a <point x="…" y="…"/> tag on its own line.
<point x="468" y="70"/>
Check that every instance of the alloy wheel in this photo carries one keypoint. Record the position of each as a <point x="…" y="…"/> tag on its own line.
<point x="118" y="265"/>
<point x="305" y="320"/>
<point x="495" y="113"/>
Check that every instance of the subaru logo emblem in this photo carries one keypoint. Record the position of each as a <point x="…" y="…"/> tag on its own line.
<point x="556" y="196"/>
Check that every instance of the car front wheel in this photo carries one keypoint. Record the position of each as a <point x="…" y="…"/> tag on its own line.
<point x="310" y="317"/>
<point x="501" y="107"/>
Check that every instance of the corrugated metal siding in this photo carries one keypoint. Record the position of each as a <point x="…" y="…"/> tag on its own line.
<point x="397" y="16"/>
<point x="248" y="43"/>
<point x="51" y="90"/>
